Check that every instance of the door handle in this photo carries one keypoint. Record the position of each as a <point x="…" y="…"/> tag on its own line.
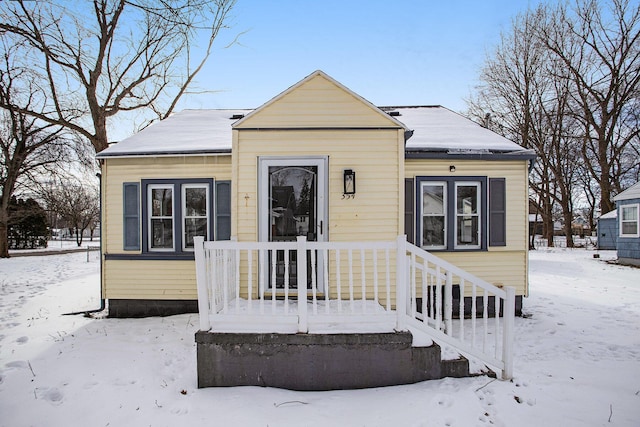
<point x="321" y="223"/>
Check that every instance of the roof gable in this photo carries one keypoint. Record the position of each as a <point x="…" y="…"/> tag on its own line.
<point x="317" y="101"/>
<point x="632" y="192"/>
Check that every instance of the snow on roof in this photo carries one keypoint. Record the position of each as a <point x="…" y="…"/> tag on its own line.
<point x="440" y="129"/>
<point x="186" y="132"/>
<point x="610" y="215"/>
<point x="632" y="192"/>
<point x="435" y="129"/>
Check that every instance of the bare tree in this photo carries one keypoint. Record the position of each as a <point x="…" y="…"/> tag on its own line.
<point x="566" y="82"/>
<point x="30" y="147"/>
<point x="111" y="57"/>
<point x="76" y="201"/>
<point x="600" y="48"/>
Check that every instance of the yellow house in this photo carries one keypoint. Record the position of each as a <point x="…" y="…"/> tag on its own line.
<point x="317" y="161"/>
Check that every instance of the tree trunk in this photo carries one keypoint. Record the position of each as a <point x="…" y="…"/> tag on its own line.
<point x="4" y="232"/>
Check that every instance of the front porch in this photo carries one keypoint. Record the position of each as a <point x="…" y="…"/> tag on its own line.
<point x="356" y="290"/>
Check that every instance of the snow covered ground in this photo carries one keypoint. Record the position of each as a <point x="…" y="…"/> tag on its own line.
<point x="577" y="360"/>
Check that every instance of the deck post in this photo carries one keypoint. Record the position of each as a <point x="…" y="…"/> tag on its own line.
<point x="201" y="282"/>
<point x="301" y="280"/>
<point x="401" y="282"/>
<point x="507" y="334"/>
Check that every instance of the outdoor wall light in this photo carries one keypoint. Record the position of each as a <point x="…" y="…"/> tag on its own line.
<point x="349" y="177"/>
<point x="452" y="168"/>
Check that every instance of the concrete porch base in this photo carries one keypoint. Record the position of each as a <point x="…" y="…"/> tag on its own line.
<point x="318" y="361"/>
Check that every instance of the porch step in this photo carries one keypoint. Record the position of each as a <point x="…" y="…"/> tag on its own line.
<point x="319" y="361"/>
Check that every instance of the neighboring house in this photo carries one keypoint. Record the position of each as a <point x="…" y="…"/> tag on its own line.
<point x="628" y="242"/>
<point x="322" y="164"/>
<point x="608" y="230"/>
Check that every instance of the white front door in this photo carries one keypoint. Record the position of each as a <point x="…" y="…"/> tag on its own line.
<point x="292" y="193"/>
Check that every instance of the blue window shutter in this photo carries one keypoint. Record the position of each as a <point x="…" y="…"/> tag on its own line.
<point x="497" y="212"/>
<point x="223" y="210"/>
<point x="131" y="216"/>
<point x="409" y="216"/>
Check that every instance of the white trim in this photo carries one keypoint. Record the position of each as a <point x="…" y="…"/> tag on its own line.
<point x="150" y="216"/>
<point x="477" y="214"/>
<point x="183" y="208"/>
<point x="443" y="184"/>
<point x="322" y="163"/>
<point x="637" y="220"/>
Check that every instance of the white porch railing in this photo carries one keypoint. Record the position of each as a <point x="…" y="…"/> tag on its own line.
<point x="351" y="287"/>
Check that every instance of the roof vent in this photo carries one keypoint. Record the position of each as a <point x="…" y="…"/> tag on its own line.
<point x="394" y="113"/>
<point x="237" y="116"/>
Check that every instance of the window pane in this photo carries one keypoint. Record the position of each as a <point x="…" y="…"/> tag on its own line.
<point x="467" y="230"/>
<point x="194" y="227"/>
<point x="467" y="199"/>
<point x="196" y="201"/>
<point x="630" y="228"/>
<point x="433" y="231"/>
<point x="162" y="233"/>
<point x="162" y="202"/>
<point x="629" y="213"/>
<point x="432" y="199"/>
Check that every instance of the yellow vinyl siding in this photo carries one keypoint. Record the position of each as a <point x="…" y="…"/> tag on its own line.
<point x="140" y="279"/>
<point x="317" y="102"/>
<point x="144" y="279"/>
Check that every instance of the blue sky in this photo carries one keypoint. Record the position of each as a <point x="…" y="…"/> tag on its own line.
<point x="403" y="52"/>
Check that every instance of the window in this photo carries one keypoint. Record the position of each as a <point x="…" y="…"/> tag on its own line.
<point x="629" y="221"/>
<point x="195" y="212"/>
<point x="161" y="223"/>
<point x="452" y="213"/>
<point x="434" y="214"/>
<point x="468" y="214"/>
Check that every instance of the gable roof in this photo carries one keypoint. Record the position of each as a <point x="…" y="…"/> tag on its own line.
<point x="632" y="192"/>
<point x="430" y="131"/>
<point x="290" y="107"/>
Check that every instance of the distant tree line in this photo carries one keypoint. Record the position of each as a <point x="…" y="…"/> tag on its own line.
<point x="565" y="81"/>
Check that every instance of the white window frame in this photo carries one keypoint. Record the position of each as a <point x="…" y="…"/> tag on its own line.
<point x="477" y="214"/>
<point x="445" y="213"/>
<point x="151" y="217"/>
<point x="622" y="221"/>
<point x="184" y="215"/>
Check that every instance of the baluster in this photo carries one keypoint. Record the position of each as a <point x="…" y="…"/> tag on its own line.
<point x="313" y="254"/>
<point x="497" y="325"/>
<point x="262" y="273"/>
<point x="412" y="282"/>
<point x="250" y="279"/>
<point x="286" y="281"/>
<point x="374" y="254"/>
<point x="425" y="292"/>
<point x="351" y="279"/>
<point x="338" y="281"/>
<point x="485" y="319"/>
<point x="473" y="313"/>
<point x="236" y="274"/>
<point x="363" y="283"/>
<point x="388" y="273"/>
<point x="325" y="266"/>
<point x="438" y="298"/>
<point x="274" y="255"/>
<point x="461" y="309"/>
